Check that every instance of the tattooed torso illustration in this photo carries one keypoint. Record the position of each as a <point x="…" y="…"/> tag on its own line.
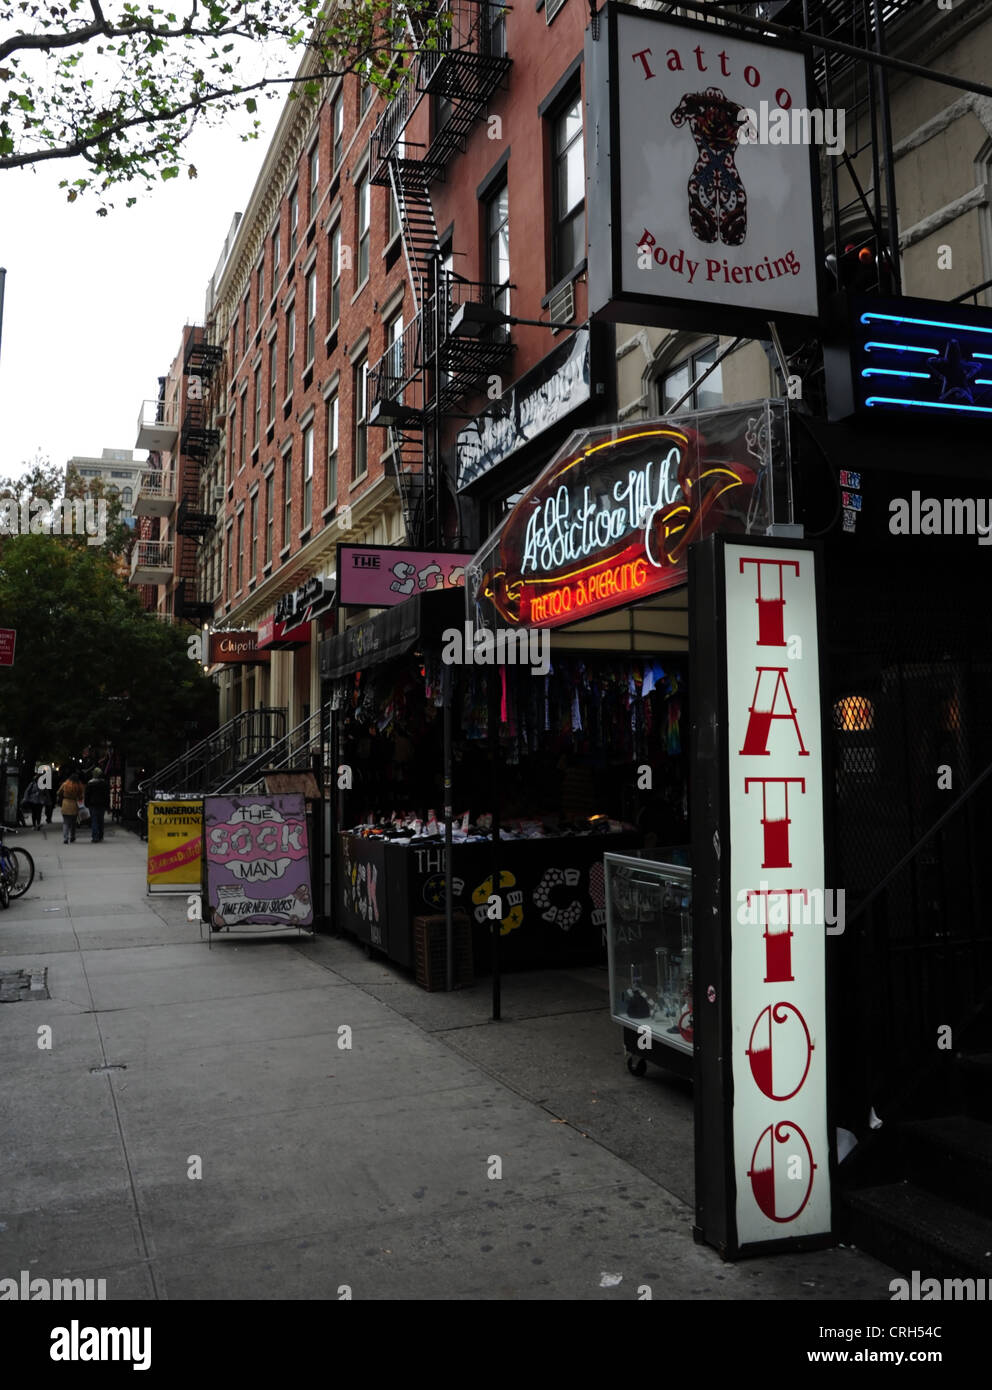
<point x="717" y="200"/>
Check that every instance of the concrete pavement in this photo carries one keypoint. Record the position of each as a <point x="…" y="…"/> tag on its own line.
<point x="196" y="1130"/>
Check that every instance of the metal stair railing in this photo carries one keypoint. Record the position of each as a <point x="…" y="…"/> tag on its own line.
<point x="234" y="744"/>
<point x="303" y="740"/>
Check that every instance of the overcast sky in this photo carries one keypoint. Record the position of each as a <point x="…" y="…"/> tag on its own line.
<point x="95" y="305"/>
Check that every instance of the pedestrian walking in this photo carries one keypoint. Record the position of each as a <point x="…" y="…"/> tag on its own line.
<point x="33" y="802"/>
<point x="55" y="778"/>
<point x="47" y="803"/>
<point x="69" y="797"/>
<point x="97" y="797"/>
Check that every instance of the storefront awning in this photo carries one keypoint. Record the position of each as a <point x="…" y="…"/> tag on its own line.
<point x="391" y="633"/>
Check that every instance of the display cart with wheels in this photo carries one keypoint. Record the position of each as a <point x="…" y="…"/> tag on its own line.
<point x="649" y="944"/>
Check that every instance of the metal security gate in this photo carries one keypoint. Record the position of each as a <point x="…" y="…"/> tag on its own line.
<point x="910" y="676"/>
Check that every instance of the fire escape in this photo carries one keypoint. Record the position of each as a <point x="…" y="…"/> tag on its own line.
<point x="201" y="366"/>
<point x="427" y="371"/>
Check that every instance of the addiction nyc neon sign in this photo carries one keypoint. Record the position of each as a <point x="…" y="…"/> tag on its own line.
<point x="611" y="523"/>
<point x="566" y="530"/>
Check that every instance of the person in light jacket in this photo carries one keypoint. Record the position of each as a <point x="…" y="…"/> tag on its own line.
<point x="70" y="795"/>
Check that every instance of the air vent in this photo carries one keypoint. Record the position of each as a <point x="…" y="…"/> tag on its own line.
<point x="551" y="8"/>
<point x="561" y="308"/>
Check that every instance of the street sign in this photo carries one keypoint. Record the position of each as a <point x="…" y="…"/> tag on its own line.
<point x="8" y="636"/>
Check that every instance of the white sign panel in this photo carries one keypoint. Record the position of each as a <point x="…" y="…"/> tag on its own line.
<point x="778" y="896"/>
<point x="713" y="208"/>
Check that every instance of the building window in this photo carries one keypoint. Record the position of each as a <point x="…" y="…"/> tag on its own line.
<point x="276" y="249"/>
<point x="363" y="204"/>
<point x="287" y="497"/>
<point x="314" y="180"/>
<point x="294" y="221"/>
<point x="260" y="288"/>
<point x="307" y="476"/>
<point x="365" y="94"/>
<point x="361" y="450"/>
<point x="331" y="482"/>
<point x="244" y="344"/>
<point x="498" y="249"/>
<point x="494" y="30"/>
<point x="311" y="318"/>
<point x="392" y="218"/>
<point x="394" y="357"/>
<point x="230" y="562"/>
<point x="337" y="133"/>
<point x="244" y="429"/>
<point x="569" y="190"/>
<point x="234" y="336"/>
<point x="258" y="404"/>
<point x="334" y="313"/>
<point x="290" y="348"/>
<point x="126" y="496"/>
<point x="676" y="381"/>
<point x="273" y="363"/>
<point x="253" y="537"/>
<point x="270" y="508"/>
<point x="241" y="547"/>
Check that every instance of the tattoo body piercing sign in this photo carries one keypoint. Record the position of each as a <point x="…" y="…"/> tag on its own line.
<point x="686" y="217"/>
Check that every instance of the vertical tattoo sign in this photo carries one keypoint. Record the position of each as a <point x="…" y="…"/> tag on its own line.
<point x="776" y="893"/>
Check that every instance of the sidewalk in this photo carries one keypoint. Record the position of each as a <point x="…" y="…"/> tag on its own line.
<point x="324" y="1167"/>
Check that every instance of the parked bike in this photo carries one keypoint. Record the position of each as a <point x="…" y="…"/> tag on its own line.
<point x="16" y="869"/>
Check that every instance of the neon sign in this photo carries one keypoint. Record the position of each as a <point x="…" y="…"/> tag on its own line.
<point x="611" y="522"/>
<point x="919" y="357"/>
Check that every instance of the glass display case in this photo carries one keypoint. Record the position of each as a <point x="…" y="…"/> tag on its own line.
<point x="649" y="943"/>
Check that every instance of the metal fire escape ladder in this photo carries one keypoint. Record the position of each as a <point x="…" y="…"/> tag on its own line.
<point x="409" y="180"/>
<point x="460" y="73"/>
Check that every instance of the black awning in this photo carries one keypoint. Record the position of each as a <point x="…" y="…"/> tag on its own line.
<point x="391" y="633"/>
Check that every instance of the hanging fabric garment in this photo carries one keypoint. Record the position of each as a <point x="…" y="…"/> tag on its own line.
<point x="673" y="738"/>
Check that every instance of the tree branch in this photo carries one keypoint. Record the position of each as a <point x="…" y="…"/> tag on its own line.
<point x="82" y="144"/>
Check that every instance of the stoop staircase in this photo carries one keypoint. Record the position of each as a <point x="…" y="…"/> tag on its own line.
<point x="927" y="1199"/>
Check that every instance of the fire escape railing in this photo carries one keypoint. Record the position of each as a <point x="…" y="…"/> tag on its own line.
<point x="419" y="376"/>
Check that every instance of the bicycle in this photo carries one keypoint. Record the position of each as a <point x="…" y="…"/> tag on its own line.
<point x="16" y="869"/>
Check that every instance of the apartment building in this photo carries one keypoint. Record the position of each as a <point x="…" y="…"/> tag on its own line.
<point x="314" y="284"/>
<point x="118" y="470"/>
<point x="175" y="508"/>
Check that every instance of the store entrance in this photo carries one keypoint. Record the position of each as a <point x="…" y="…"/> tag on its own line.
<point x="579" y="753"/>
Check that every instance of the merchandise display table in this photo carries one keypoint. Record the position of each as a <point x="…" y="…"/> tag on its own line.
<point x="552" y="894"/>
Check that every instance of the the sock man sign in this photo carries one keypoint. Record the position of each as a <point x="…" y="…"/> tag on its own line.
<point x="761" y="865"/>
